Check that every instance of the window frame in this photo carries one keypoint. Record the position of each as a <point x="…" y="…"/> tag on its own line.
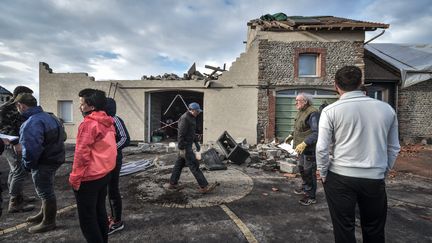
<point x="60" y="110"/>
<point x="317" y="67"/>
<point x="320" y="62"/>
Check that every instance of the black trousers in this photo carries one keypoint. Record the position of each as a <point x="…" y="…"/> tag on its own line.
<point x="92" y="214"/>
<point x="114" y="191"/>
<point x="342" y="193"/>
<point x="191" y="162"/>
<point x="307" y="167"/>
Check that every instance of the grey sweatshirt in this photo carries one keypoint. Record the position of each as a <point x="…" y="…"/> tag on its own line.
<point x="363" y="136"/>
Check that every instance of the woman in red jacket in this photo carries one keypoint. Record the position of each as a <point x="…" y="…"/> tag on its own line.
<point x="94" y="159"/>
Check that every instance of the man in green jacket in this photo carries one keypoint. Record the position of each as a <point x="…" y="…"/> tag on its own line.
<point x="304" y="138"/>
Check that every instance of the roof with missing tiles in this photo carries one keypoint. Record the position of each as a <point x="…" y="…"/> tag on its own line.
<point x="295" y="23"/>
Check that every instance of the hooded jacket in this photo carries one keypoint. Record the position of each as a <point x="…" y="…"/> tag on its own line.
<point x="42" y="139"/>
<point x="122" y="134"/>
<point x="95" y="151"/>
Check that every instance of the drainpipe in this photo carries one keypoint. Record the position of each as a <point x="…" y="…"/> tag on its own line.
<point x="380" y="34"/>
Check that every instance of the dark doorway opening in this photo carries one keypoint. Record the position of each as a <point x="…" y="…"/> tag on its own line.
<point x="165" y="108"/>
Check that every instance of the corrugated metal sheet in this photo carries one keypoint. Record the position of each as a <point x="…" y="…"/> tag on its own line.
<point x="414" y="61"/>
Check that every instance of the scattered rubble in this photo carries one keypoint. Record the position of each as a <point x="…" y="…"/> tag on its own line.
<point x="268" y="157"/>
<point x="411" y="149"/>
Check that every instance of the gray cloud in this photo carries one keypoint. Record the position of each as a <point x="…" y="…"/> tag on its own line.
<point x="113" y="39"/>
<point x="410" y="21"/>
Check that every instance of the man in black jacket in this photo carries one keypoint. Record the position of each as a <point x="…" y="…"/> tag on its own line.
<point x="10" y="122"/>
<point x="2" y="145"/>
<point x="186" y="137"/>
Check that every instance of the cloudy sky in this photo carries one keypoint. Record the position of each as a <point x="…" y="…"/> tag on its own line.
<point x="113" y="39"/>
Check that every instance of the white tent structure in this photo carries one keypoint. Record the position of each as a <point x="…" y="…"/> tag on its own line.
<point x="413" y="61"/>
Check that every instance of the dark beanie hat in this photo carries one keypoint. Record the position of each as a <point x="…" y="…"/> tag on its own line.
<point x="21" y="89"/>
<point x="111" y="107"/>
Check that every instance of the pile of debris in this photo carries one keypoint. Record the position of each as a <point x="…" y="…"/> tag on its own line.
<point x="216" y="155"/>
<point x="270" y="157"/>
<point x="192" y="74"/>
<point x="166" y="76"/>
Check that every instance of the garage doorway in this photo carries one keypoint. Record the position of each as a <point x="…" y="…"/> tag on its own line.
<point x="164" y="108"/>
<point x="286" y="110"/>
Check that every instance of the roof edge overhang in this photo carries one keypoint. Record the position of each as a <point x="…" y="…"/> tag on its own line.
<point x="409" y="75"/>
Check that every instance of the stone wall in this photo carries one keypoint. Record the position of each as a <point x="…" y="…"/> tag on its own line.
<point x="414" y="112"/>
<point x="276" y="65"/>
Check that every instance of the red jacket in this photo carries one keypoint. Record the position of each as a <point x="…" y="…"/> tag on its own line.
<point x="95" y="150"/>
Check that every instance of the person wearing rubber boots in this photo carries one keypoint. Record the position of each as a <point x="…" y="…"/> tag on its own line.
<point x="43" y="152"/>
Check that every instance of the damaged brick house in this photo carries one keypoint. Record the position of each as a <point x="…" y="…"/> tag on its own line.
<point x="401" y="74"/>
<point x="253" y="100"/>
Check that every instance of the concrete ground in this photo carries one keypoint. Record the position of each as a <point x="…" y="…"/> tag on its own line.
<point x="249" y="205"/>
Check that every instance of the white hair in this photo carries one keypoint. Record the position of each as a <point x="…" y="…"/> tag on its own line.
<point x="307" y="97"/>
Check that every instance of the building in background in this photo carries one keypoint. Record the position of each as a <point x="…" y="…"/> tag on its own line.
<point x="401" y="75"/>
<point x="5" y="95"/>
<point x="255" y="98"/>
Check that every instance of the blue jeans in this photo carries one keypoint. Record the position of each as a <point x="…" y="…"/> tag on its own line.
<point x="17" y="173"/>
<point x="43" y="179"/>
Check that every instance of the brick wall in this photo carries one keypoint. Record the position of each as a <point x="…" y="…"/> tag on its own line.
<point x="276" y="68"/>
<point x="415" y="112"/>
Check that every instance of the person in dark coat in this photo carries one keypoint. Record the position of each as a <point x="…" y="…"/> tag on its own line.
<point x="43" y="152"/>
<point x="10" y="122"/>
<point x="186" y="137"/>
<point x="2" y="145"/>
<point x="122" y="140"/>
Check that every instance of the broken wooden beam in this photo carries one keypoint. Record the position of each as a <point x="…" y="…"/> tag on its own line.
<point x="215" y="68"/>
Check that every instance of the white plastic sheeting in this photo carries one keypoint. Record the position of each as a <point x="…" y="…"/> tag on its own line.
<point x="413" y="61"/>
<point x="135" y="166"/>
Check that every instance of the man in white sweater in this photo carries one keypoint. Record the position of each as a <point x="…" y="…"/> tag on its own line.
<point x="357" y="145"/>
